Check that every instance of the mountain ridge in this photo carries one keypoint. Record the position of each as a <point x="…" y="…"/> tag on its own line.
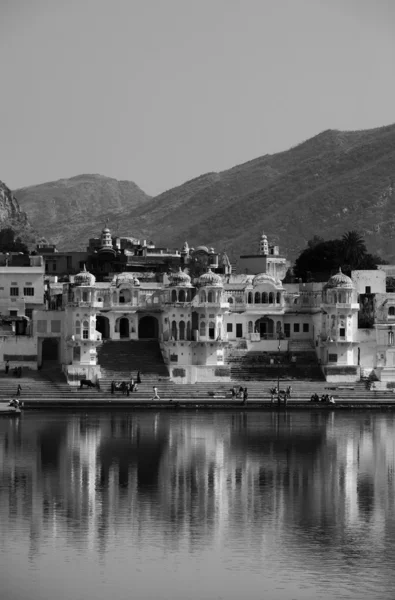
<point x="330" y="183"/>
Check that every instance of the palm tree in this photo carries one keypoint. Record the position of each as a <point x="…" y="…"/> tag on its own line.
<point x="354" y="248"/>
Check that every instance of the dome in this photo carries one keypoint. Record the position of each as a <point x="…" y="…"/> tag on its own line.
<point x="211" y="279"/>
<point x="202" y="249"/>
<point x="106" y="230"/>
<point x="263" y="278"/>
<point x="180" y="279"/>
<point x="84" y="278"/>
<point x="126" y="278"/>
<point x="339" y="280"/>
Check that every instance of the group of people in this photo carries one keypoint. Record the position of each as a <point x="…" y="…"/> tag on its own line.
<point x="14" y="403"/>
<point x="126" y="386"/>
<point x="324" y="398"/>
<point x="239" y="393"/>
<point x="17" y="371"/>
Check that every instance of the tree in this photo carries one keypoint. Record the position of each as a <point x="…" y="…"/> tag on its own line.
<point x="320" y="260"/>
<point x="9" y="243"/>
<point x="315" y="240"/>
<point x="354" y="249"/>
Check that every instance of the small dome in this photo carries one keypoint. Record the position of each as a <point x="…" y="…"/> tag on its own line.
<point x="126" y="279"/>
<point x="106" y="230"/>
<point x="339" y="280"/>
<point x="210" y="279"/>
<point x="202" y="249"/>
<point x="84" y="278"/>
<point x="180" y="279"/>
<point x="263" y="278"/>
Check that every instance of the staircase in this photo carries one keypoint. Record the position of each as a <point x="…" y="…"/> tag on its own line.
<point x="259" y="366"/>
<point x="120" y="360"/>
<point x="49" y="382"/>
<point x="49" y="385"/>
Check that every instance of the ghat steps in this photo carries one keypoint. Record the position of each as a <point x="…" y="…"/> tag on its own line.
<point x="50" y="384"/>
<point x="260" y="366"/>
<point x="118" y="360"/>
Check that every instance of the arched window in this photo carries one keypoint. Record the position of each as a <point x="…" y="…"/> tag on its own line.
<point x="181" y="326"/>
<point x="278" y="298"/>
<point x="230" y="300"/>
<point x="264" y="297"/>
<point x="84" y="296"/>
<point x="211" y="330"/>
<point x="85" y="330"/>
<point x="271" y="298"/>
<point x="125" y="296"/>
<point x="203" y="296"/>
<point x="174" y="330"/>
<point x="173" y="296"/>
<point x="181" y="296"/>
<point x="210" y="297"/>
<point x="202" y="329"/>
<point x="250" y="326"/>
<point x="391" y="311"/>
<point x="249" y="298"/>
<point x="188" y="330"/>
<point x="334" y="298"/>
<point x="78" y="328"/>
<point x="257" y="298"/>
<point x="390" y="338"/>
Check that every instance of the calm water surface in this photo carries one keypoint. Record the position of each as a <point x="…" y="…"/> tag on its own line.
<point x="160" y="505"/>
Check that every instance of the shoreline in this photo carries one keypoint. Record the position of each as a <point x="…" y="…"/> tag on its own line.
<point x="32" y="404"/>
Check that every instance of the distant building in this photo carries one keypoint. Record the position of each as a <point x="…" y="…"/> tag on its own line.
<point x="196" y="307"/>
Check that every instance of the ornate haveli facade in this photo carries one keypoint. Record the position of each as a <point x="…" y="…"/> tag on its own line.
<point x="63" y="306"/>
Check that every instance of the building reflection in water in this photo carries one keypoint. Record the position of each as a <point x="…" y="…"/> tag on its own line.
<point x="321" y="479"/>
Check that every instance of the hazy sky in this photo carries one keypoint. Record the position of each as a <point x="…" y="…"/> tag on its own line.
<point x="161" y="91"/>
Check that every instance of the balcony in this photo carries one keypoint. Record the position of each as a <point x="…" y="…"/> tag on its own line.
<point x="79" y="304"/>
<point x="262" y="308"/>
<point x="342" y="305"/>
<point x="328" y="339"/>
<point x="224" y="305"/>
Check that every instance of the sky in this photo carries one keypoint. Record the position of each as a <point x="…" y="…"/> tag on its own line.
<point x="161" y="91"/>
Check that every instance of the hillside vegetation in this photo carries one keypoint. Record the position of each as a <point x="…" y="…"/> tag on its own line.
<point x="331" y="183"/>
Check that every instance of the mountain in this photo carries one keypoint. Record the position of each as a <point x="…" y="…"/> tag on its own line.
<point x="11" y="216"/>
<point x="331" y="183"/>
<point x="77" y="208"/>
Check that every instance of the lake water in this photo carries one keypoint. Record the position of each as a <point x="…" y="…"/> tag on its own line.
<point x="197" y="505"/>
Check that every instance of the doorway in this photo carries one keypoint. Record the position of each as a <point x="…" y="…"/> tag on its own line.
<point x="148" y="328"/>
<point x="49" y="350"/>
<point x="124" y="327"/>
<point x="103" y="326"/>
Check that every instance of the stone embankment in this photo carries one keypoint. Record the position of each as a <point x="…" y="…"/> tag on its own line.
<point x="44" y="390"/>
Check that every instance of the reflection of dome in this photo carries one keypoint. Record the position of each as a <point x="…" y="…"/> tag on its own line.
<point x="339" y="280"/>
<point x="180" y="278"/>
<point x="263" y="278"/>
<point x="210" y="278"/>
<point x="84" y="278"/>
<point x="126" y="278"/>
